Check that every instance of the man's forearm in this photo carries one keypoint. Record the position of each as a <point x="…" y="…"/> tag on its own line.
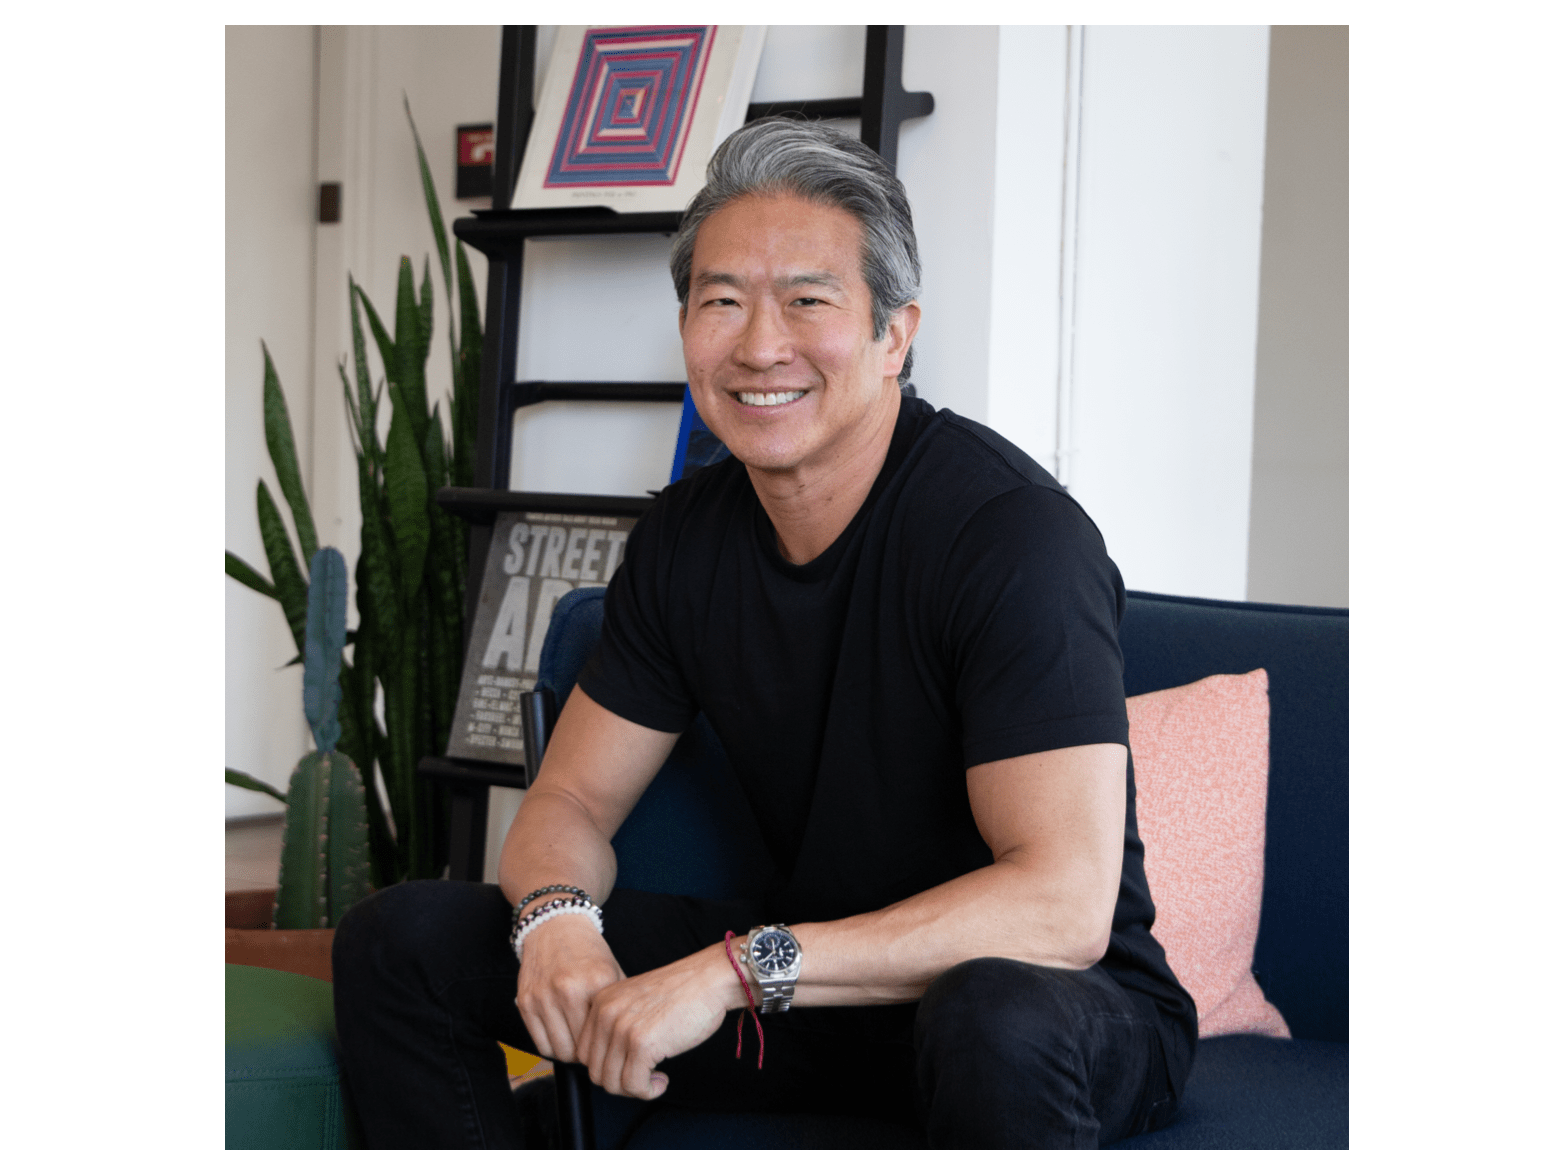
<point x="555" y="842"/>
<point x="596" y="767"/>
<point x="891" y="955"/>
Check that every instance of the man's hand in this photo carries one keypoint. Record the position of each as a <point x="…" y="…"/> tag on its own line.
<point x="636" y="1023"/>
<point x="596" y="767"/>
<point x="566" y="964"/>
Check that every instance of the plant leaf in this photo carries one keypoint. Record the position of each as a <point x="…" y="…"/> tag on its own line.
<point x="406" y="496"/>
<point x="408" y="381"/>
<point x="353" y="419"/>
<point x="387" y="348"/>
<point x="237" y="778"/>
<point x="445" y="593"/>
<point x="284" y="456"/>
<point x="291" y="590"/>
<point x="430" y="194"/>
<point x="435" y="460"/>
<point x="248" y="576"/>
<point x="425" y="319"/>
<point x="467" y="380"/>
<point x="324" y="640"/>
<point x="361" y="737"/>
<point x="398" y="762"/>
<point x="377" y="581"/>
<point x="367" y="410"/>
<point x="435" y="217"/>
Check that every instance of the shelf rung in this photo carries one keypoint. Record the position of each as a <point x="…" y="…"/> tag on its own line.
<point x="481" y="505"/>
<point x="467" y="772"/>
<point x="809" y="108"/>
<point x="534" y="392"/>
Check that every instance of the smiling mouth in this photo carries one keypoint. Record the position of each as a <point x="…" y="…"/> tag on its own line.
<point x="769" y="399"/>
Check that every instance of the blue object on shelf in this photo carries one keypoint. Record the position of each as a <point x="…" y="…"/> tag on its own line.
<point x="696" y="446"/>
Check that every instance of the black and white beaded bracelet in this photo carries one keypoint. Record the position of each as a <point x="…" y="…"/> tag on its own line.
<point x="550" y="910"/>
<point x="529" y="897"/>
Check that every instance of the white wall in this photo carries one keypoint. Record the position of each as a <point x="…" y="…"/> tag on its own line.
<point x="571" y="289"/>
<point x="1130" y="372"/>
<point x="1029" y="230"/>
<point x="947" y="163"/>
<point x="270" y="204"/>
<point x="1168" y="254"/>
<point x="1298" y="496"/>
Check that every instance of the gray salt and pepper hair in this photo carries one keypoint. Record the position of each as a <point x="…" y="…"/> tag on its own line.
<point x="785" y="156"/>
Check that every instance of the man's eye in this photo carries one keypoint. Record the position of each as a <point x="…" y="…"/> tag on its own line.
<point x="808" y="301"/>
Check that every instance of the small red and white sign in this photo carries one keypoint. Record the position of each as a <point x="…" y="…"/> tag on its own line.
<point x="476" y="145"/>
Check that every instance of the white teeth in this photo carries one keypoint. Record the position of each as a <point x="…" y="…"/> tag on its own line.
<point x="768" y="400"/>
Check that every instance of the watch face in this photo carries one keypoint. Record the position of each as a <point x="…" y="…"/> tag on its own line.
<point x="772" y="952"/>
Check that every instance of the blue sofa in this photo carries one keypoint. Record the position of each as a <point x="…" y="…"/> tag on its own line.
<point x="1244" y="1092"/>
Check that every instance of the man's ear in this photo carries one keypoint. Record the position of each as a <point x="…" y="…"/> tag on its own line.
<point x="681" y="319"/>
<point x="901" y="329"/>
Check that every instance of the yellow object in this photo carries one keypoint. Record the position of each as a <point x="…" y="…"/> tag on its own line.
<point x="519" y="1062"/>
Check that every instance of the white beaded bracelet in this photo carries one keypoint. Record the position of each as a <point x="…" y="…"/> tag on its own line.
<point x="551" y="910"/>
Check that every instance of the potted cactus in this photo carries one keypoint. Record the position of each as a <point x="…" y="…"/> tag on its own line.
<point x="324" y="854"/>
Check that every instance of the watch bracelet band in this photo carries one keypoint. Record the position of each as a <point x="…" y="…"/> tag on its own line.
<point x="776" y="995"/>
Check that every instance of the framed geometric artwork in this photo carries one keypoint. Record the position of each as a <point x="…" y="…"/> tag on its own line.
<point x="630" y="114"/>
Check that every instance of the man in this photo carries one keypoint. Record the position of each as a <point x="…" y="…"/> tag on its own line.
<point x="904" y="632"/>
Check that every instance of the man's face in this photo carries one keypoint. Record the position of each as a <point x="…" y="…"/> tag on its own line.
<point x="777" y="336"/>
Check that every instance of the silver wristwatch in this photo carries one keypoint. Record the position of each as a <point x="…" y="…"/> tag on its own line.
<point x="773" y="956"/>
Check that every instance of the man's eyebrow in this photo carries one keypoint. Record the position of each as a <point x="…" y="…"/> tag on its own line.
<point x="821" y="277"/>
<point x="705" y="279"/>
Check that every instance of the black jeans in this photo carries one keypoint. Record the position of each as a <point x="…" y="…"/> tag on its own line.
<point x="997" y="1052"/>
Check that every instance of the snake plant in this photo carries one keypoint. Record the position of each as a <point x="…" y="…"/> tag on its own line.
<point x="410" y="574"/>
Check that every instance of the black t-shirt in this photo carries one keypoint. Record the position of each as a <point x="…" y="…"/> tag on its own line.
<point x="968" y="613"/>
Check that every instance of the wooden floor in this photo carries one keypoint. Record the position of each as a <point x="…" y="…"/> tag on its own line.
<point x="253" y="853"/>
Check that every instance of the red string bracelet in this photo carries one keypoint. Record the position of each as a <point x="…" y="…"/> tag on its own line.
<point x="751" y="1006"/>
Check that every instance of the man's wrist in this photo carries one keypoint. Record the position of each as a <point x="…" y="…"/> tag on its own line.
<point x="540" y="914"/>
<point x="727" y="978"/>
<point x="546" y="930"/>
<point x="547" y="894"/>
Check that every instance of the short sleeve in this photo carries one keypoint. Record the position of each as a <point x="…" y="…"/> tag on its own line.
<point x="634" y="672"/>
<point x="1032" y="606"/>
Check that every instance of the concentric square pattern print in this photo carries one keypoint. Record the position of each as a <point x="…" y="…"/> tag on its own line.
<point x="635" y="91"/>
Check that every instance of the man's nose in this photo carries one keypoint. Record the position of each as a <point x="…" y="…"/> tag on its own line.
<point x="764" y="341"/>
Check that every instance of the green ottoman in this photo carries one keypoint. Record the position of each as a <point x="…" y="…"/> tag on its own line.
<point x="283" y="1084"/>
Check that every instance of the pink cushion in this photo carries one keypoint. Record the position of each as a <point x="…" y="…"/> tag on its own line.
<point x="1200" y="752"/>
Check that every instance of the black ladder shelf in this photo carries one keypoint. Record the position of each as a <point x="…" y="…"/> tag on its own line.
<point x="500" y="234"/>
